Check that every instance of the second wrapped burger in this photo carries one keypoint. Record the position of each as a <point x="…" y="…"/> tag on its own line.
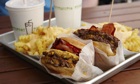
<point x="108" y="48"/>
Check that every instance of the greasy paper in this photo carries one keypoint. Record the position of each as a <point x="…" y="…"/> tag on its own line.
<point x="105" y="62"/>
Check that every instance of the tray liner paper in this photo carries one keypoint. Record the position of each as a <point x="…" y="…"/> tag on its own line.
<point x="84" y="69"/>
<point x="128" y="53"/>
<point x="105" y="62"/>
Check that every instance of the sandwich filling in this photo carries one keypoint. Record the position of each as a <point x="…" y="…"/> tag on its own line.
<point x="65" y="46"/>
<point x="98" y="36"/>
<point x="59" y="58"/>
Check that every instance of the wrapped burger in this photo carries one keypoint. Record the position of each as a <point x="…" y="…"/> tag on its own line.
<point x="128" y="36"/>
<point x="72" y="58"/>
<point x="108" y="48"/>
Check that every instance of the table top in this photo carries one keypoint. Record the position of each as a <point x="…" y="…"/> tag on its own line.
<point x="14" y="70"/>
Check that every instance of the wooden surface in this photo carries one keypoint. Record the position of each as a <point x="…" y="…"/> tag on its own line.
<point x="14" y="70"/>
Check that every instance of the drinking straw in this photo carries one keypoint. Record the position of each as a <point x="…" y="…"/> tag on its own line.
<point x="111" y="10"/>
<point x="50" y="14"/>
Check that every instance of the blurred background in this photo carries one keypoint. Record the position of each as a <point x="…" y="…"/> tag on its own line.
<point x="86" y="3"/>
<point x="93" y="3"/>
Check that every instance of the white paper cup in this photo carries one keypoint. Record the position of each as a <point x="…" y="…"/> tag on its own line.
<point x="68" y="13"/>
<point x="25" y="17"/>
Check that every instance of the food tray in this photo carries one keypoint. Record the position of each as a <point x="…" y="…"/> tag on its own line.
<point x="7" y="39"/>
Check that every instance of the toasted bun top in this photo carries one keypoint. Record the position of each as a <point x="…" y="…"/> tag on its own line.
<point x="74" y="42"/>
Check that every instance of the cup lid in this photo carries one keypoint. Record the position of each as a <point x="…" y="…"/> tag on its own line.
<point x="20" y="4"/>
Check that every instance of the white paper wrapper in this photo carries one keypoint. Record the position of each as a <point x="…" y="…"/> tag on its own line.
<point x="105" y="62"/>
<point x="84" y="69"/>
